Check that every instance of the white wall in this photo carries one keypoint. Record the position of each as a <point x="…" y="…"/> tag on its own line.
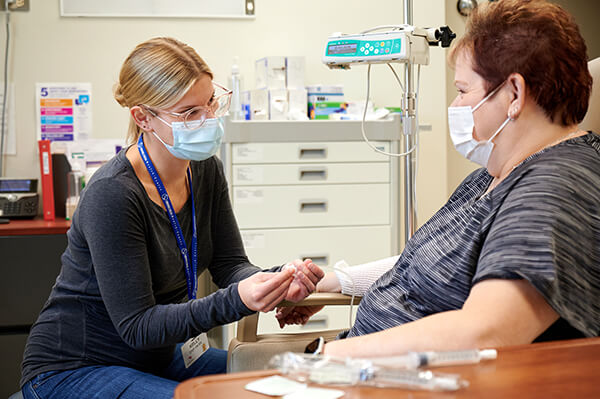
<point x="48" y="48"/>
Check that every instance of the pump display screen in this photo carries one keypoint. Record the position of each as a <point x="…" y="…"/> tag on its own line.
<point x="342" y="48"/>
<point x="17" y="185"/>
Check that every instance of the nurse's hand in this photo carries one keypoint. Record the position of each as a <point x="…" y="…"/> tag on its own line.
<point x="307" y="275"/>
<point x="295" y="314"/>
<point x="263" y="291"/>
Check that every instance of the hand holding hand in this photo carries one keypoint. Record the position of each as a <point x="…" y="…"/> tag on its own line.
<point x="263" y="291"/>
<point x="307" y="275"/>
<point x="295" y="314"/>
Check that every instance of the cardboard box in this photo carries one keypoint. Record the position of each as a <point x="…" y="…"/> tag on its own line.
<point x="324" y="100"/>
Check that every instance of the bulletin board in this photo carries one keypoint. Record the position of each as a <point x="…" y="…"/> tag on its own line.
<point x="158" y="8"/>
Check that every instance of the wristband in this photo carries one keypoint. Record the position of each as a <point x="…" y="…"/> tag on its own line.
<point x="315" y="347"/>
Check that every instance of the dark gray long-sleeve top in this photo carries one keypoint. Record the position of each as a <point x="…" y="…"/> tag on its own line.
<point x="121" y="296"/>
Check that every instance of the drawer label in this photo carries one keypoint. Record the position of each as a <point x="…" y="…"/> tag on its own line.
<point x="253" y="240"/>
<point x="250" y="174"/>
<point x="248" y="196"/>
<point x="249" y="152"/>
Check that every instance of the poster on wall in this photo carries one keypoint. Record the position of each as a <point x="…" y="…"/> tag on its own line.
<point x="63" y="111"/>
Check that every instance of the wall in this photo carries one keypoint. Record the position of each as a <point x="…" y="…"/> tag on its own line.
<point x="48" y="48"/>
<point x="586" y="13"/>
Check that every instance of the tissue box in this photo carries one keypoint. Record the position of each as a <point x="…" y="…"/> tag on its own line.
<point x="325" y="100"/>
<point x="270" y="73"/>
<point x="297" y="103"/>
<point x="278" y="104"/>
<point x="294" y="72"/>
<point x="259" y="104"/>
<point x="287" y="104"/>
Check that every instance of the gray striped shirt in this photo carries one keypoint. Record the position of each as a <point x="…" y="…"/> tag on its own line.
<point x="541" y="223"/>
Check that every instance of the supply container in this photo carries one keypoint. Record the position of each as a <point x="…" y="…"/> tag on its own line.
<point x="324" y="100"/>
<point x="75" y="183"/>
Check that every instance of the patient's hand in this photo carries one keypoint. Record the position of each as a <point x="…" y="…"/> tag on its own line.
<point x="306" y="277"/>
<point x="295" y="314"/>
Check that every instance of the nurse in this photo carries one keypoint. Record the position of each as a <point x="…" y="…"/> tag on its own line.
<point x="148" y="223"/>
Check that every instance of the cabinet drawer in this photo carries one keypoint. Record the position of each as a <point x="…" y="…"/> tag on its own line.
<point x="251" y="175"/>
<point x="311" y="206"/>
<point x="325" y="246"/>
<point x="250" y="153"/>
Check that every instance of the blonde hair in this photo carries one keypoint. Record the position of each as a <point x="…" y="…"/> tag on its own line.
<point x="157" y="73"/>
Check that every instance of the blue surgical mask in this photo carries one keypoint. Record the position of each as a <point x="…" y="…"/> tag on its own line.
<point x="196" y="142"/>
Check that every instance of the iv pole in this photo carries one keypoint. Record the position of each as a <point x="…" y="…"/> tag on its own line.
<point x="409" y="126"/>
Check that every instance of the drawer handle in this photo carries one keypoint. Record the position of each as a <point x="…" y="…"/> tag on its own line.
<point x="313" y="206"/>
<point x="319" y="323"/>
<point x="313" y="174"/>
<point x="313" y="153"/>
<point x="320" y="260"/>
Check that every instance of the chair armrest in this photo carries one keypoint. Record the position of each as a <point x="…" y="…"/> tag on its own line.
<point x="247" y="327"/>
<point x="323" y="298"/>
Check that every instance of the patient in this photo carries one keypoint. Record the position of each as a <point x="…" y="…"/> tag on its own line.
<point x="514" y="255"/>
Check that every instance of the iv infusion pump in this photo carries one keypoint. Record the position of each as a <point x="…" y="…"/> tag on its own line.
<point x="403" y="43"/>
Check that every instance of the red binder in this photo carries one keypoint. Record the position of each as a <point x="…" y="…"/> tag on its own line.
<point x="46" y="175"/>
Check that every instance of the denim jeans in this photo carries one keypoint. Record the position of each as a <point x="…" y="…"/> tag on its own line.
<point x="108" y="382"/>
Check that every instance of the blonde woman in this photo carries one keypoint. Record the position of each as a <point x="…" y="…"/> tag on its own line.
<point x="149" y="221"/>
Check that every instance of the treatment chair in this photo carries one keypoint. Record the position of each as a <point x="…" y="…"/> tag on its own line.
<point x="592" y="118"/>
<point x="250" y="351"/>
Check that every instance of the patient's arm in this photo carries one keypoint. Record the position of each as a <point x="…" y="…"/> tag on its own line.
<point x="496" y="313"/>
<point x="348" y="280"/>
<point x="355" y="279"/>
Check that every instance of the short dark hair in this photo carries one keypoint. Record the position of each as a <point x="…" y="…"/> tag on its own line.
<point x="538" y="40"/>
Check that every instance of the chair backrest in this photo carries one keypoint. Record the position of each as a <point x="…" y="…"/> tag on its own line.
<point x="592" y="118"/>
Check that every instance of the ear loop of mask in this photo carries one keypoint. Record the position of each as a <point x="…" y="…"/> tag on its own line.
<point x="508" y="118"/>
<point x="480" y="103"/>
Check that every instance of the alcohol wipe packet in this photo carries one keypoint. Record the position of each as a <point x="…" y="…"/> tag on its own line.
<point x="275" y="386"/>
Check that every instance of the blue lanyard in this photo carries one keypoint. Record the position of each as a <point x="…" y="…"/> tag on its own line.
<point x="191" y="270"/>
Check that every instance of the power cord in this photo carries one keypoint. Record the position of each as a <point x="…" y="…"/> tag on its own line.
<point x="339" y="267"/>
<point x="5" y="96"/>
<point x="362" y="125"/>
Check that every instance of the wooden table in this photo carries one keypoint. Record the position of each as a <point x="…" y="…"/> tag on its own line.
<point x="21" y="227"/>
<point x="560" y="369"/>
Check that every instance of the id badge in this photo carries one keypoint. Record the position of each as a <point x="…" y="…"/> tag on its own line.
<point x="194" y="348"/>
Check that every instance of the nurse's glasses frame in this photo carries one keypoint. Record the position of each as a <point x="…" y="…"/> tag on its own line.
<point x="218" y="107"/>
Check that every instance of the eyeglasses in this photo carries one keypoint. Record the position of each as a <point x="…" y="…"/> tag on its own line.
<point x="196" y="116"/>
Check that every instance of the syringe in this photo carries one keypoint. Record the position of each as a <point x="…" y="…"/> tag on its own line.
<point x="414" y="360"/>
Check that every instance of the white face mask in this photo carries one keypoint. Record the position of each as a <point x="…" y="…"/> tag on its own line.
<point x="461" y="123"/>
